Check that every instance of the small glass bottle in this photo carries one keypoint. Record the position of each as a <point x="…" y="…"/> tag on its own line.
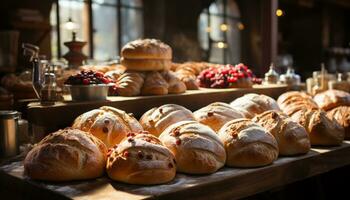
<point x="271" y="77"/>
<point x="48" y="93"/>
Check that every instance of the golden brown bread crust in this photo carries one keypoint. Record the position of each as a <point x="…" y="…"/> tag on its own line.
<point x="146" y="64"/>
<point x="175" y="86"/>
<point x="154" y="84"/>
<point x="248" y="144"/>
<point x="215" y="115"/>
<point x="330" y="99"/>
<point x="342" y="115"/>
<point x="108" y="124"/>
<point x="291" y="137"/>
<point x="196" y="147"/>
<point x="252" y="104"/>
<point x="65" y="155"/>
<point x="147" y="49"/>
<point x="141" y="159"/>
<point x="321" y="129"/>
<point x="292" y="102"/>
<point x="158" y="119"/>
<point x="129" y="84"/>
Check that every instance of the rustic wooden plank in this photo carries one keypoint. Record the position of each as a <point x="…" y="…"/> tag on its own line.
<point x="62" y="114"/>
<point x="233" y="183"/>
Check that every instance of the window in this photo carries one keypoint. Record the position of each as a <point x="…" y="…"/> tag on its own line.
<point x="219" y="34"/>
<point x="105" y="24"/>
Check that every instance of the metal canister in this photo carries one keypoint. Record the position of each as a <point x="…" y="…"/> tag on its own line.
<point x="9" y="145"/>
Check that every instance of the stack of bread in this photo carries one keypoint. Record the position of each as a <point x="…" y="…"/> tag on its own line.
<point x="147" y="63"/>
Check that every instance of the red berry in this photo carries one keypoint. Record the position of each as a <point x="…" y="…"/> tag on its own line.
<point x="126" y="154"/>
<point x="105" y="80"/>
<point x="86" y="81"/>
<point x="178" y="141"/>
<point x="99" y="74"/>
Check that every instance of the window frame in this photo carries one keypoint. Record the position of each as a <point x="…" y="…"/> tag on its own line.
<point x="118" y="6"/>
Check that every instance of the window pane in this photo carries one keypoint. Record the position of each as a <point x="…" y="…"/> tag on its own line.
<point x="78" y="11"/>
<point x="136" y="3"/>
<point x="132" y="24"/>
<point x="105" y="32"/>
<point x="106" y="2"/>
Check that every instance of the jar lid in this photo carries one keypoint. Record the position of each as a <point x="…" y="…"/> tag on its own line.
<point x="9" y="114"/>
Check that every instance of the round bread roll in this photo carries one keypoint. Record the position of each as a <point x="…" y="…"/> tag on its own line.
<point x="141" y="159"/>
<point x="332" y="98"/>
<point x="292" y="102"/>
<point x="215" y="115"/>
<point x="158" y="119"/>
<point x="146" y="55"/>
<point x="321" y="129"/>
<point x="248" y="144"/>
<point x="108" y="124"/>
<point x="291" y="137"/>
<point x="253" y="104"/>
<point x="66" y="155"/>
<point x="342" y="115"/>
<point x="196" y="147"/>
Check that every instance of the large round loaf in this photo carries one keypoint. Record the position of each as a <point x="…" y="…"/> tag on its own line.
<point x="291" y="137"/>
<point x="215" y="115"/>
<point x="158" y="119"/>
<point x="65" y="155"/>
<point x="321" y="129"/>
<point x="292" y="102"/>
<point x="342" y="115"/>
<point x="196" y="147"/>
<point x="108" y="124"/>
<point x="253" y="104"/>
<point x="141" y="159"/>
<point x="330" y="99"/>
<point x="248" y="144"/>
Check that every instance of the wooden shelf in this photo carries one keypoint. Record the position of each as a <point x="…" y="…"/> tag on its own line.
<point x="62" y="114"/>
<point x="233" y="183"/>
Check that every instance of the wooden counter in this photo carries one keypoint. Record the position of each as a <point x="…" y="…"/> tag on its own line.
<point x="230" y="183"/>
<point x="62" y="114"/>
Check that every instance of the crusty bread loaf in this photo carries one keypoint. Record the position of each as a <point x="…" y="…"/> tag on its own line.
<point x="291" y="137"/>
<point x="330" y="99"/>
<point x="215" y="115"/>
<point x="196" y="147"/>
<point x="154" y="84"/>
<point x="175" y="86"/>
<point x="141" y="159"/>
<point x="321" y="129"/>
<point x="65" y="155"/>
<point x="158" y="119"/>
<point x="253" y="104"/>
<point x="248" y="144"/>
<point x="108" y="124"/>
<point x="292" y="102"/>
<point x="130" y="84"/>
<point x="146" y="55"/>
<point x="342" y="115"/>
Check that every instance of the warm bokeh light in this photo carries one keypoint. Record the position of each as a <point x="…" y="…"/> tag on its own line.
<point x="221" y="45"/>
<point x="208" y="29"/>
<point x="279" y="12"/>
<point x="70" y="25"/>
<point x="223" y="27"/>
<point x="240" y="26"/>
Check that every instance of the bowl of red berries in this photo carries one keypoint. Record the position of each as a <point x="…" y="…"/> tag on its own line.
<point x="88" y="86"/>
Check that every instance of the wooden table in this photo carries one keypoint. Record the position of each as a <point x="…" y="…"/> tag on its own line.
<point x="230" y="183"/>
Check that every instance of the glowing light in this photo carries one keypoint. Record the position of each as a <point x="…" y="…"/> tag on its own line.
<point x="279" y="12"/>
<point x="70" y="25"/>
<point x="223" y="27"/>
<point x="221" y="45"/>
<point x="240" y="26"/>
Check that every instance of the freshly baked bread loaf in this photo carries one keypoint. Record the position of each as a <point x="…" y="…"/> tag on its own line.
<point x="342" y="115"/>
<point x="291" y="137"/>
<point x="175" y="86"/>
<point x="108" y="124"/>
<point x="248" y="144"/>
<point x="130" y="84"/>
<point x="215" y="115"/>
<point x="291" y="102"/>
<point x="154" y="84"/>
<point x="253" y="104"/>
<point x="332" y="98"/>
<point x="321" y="129"/>
<point x="146" y="55"/>
<point x="141" y="159"/>
<point x="158" y="119"/>
<point x="66" y="155"/>
<point x="196" y="147"/>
